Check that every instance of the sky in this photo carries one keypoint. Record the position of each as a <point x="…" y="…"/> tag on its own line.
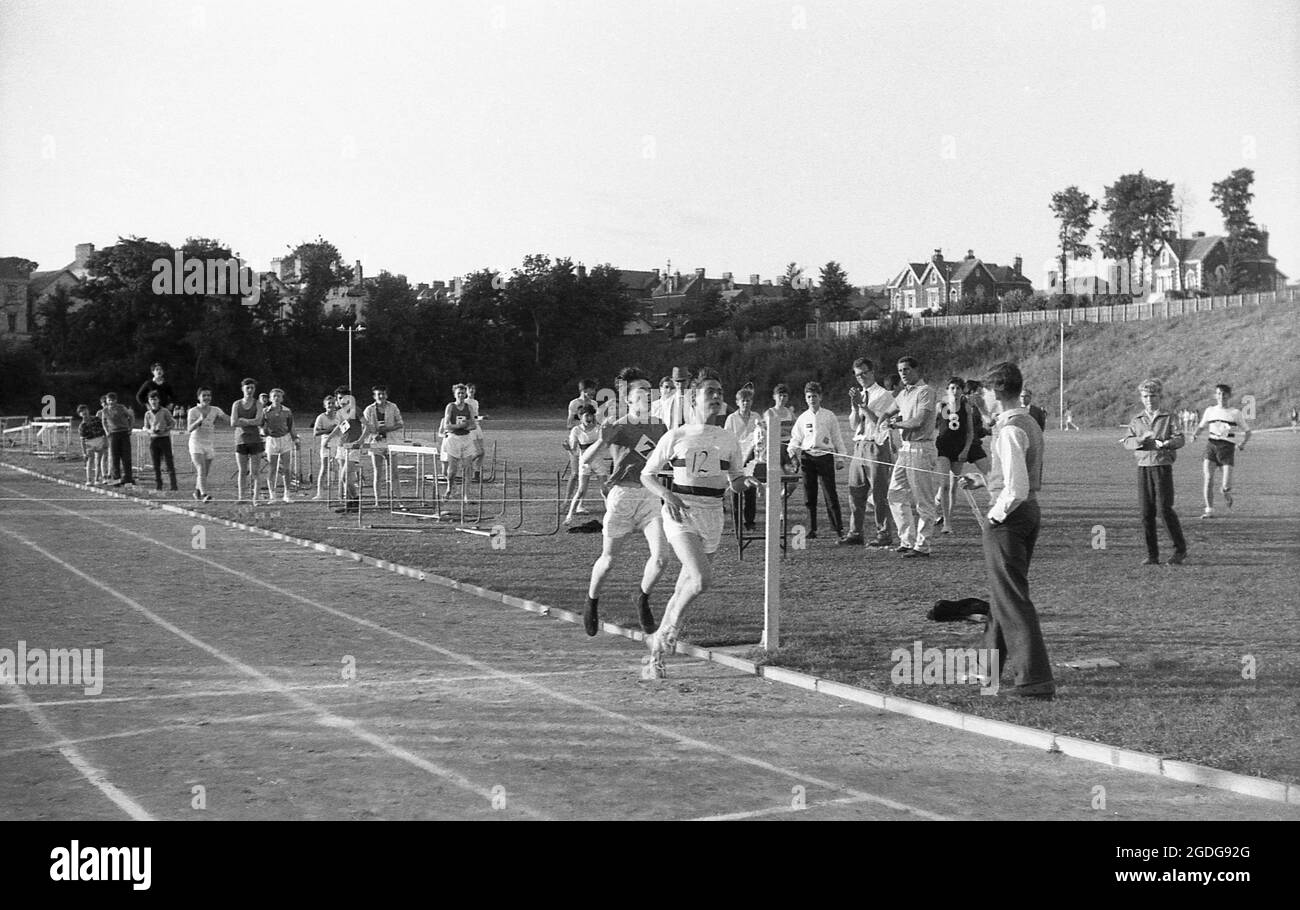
<point x="436" y="138"/>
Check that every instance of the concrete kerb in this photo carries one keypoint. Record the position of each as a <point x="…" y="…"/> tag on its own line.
<point x="1125" y="759"/>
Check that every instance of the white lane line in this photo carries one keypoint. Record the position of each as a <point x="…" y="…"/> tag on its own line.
<point x="655" y="729"/>
<point x="323" y="716"/>
<point x="242" y="692"/>
<point x="97" y="777"/>
<point x="149" y="731"/>
<point x="780" y="810"/>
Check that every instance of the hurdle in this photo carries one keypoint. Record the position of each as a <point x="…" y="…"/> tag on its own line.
<point x="743" y="540"/>
<point x="47" y="435"/>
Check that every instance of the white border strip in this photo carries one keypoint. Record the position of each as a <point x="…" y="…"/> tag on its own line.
<point x="1116" y="757"/>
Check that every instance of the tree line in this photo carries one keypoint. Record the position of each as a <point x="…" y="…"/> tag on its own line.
<point x="1140" y="211"/>
<point x="518" y="336"/>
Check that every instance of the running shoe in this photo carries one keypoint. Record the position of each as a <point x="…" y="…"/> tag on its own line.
<point x="1208" y="513"/>
<point x="591" y="617"/>
<point x="1227" y="497"/>
<point x="207" y="497"/>
<point x="652" y="667"/>
<point x="197" y="496"/>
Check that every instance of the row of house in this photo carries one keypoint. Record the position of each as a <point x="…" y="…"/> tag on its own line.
<point x="941" y="282"/>
<point x="1185" y="265"/>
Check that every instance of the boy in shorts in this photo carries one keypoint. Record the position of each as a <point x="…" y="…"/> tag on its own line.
<point x="705" y="462"/>
<point x="629" y="506"/>
<point x="201" y="423"/>
<point x="582" y="437"/>
<point x="277" y="427"/>
<point x="323" y="430"/>
<point x="477" y="433"/>
<point x="457" y="443"/>
<point x="94" y="443"/>
<point x="246" y="418"/>
<point x="381" y="418"/>
<point x="1229" y="433"/>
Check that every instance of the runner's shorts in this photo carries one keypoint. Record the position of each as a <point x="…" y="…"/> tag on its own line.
<point x="279" y="445"/>
<point x="703" y="518"/>
<point x="454" y="446"/>
<point x="203" y="451"/>
<point x="1220" y="452"/>
<point x="628" y="509"/>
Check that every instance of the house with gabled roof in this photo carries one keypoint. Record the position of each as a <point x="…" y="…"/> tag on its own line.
<point x="905" y="288"/>
<point x="15" y="272"/>
<point x="1200" y="262"/>
<point x="941" y="282"/>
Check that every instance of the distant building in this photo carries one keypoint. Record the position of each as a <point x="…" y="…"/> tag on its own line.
<point x="940" y="283"/>
<point x="1199" y="263"/>
<point x="15" y="273"/>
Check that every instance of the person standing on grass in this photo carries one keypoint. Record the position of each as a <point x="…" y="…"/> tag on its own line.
<point x="323" y="431"/>
<point x="913" y="483"/>
<point x="705" y="462"/>
<point x="201" y="423"/>
<point x="816" y="439"/>
<point x="629" y="506"/>
<point x="955" y="434"/>
<point x="277" y="425"/>
<point x="346" y="436"/>
<point x="158" y="423"/>
<point x="157" y="383"/>
<point x="873" y="457"/>
<point x="581" y="438"/>
<point x="477" y="433"/>
<point x="1014" y="518"/>
<point x="586" y="396"/>
<point x="785" y="418"/>
<point x="118" y="423"/>
<point x="457" y="446"/>
<point x="744" y="423"/>
<point x="381" y="418"/>
<point x="1069" y="420"/>
<point x="246" y="418"/>
<point x="1154" y="437"/>
<point x="1027" y="402"/>
<point x="94" y="443"/>
<point x="1229" y="432"/>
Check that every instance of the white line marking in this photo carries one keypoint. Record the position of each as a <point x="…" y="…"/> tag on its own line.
<point x="780" y="810"/>
<point x="239" y="693"/>
<point x="558" y="696"/>
<point x="324" y="716"/>
<point x="78" y="761"/>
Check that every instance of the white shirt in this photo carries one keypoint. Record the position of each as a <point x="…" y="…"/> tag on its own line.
<point x="817" y="433"/>
<point x="1223" y="423"/>
<point x="880" y="403"/>
<point x="1009" y="446"/>
<point x="746" y="431"/>
<point x="701" y="455"/>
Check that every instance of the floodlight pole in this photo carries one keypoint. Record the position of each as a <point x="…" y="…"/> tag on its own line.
<point x="1060" y="408"/>
<point x="350" y="329"/>
<point x="772" y="536"/>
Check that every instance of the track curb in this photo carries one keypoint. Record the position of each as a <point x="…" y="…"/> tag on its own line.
<point x="1100" y="753"/>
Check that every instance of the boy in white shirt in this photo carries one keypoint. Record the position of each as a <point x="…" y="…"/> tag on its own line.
<point x="816" y="440"/>
<point x="1229" y="432"/>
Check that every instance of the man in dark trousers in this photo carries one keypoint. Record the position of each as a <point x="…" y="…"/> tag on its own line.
<point x="1009" y="537"/>
<point x="1027" y="402"/>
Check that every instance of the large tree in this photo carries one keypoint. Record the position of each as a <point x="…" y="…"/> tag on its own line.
<point x="1074" y="209"/>
<point x="797" y="305"/>
<point x="1155" y="215"/>
<point x="835" y="292"/>
<point x="1120" y="236"/>
<point x="1232" y="197"/>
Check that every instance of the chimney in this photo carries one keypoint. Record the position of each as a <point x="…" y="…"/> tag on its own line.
<point x="728" y="281"/>
<point x="937" y="257"/>
<point x="83" y="252"/>
<point x="753" y="279"/>
<point x="422" y="286"/>
<point x="970" y="254"/>
<point x="1016" y="264"/>
<point x="276" y="266"/>
<point x="767" y="283"/>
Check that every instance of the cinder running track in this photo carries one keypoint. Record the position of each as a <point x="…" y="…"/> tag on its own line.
<point x="228" y="684"/>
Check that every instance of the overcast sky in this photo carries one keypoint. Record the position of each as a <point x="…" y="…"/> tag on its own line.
<point x="435" y="138"/>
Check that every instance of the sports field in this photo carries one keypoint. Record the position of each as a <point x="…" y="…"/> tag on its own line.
<point x="225" y="665"/>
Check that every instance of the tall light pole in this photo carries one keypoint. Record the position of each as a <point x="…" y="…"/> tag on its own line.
<point x="351" y="330"/>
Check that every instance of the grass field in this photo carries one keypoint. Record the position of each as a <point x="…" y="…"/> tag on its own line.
<point x="1208" y="653"/>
